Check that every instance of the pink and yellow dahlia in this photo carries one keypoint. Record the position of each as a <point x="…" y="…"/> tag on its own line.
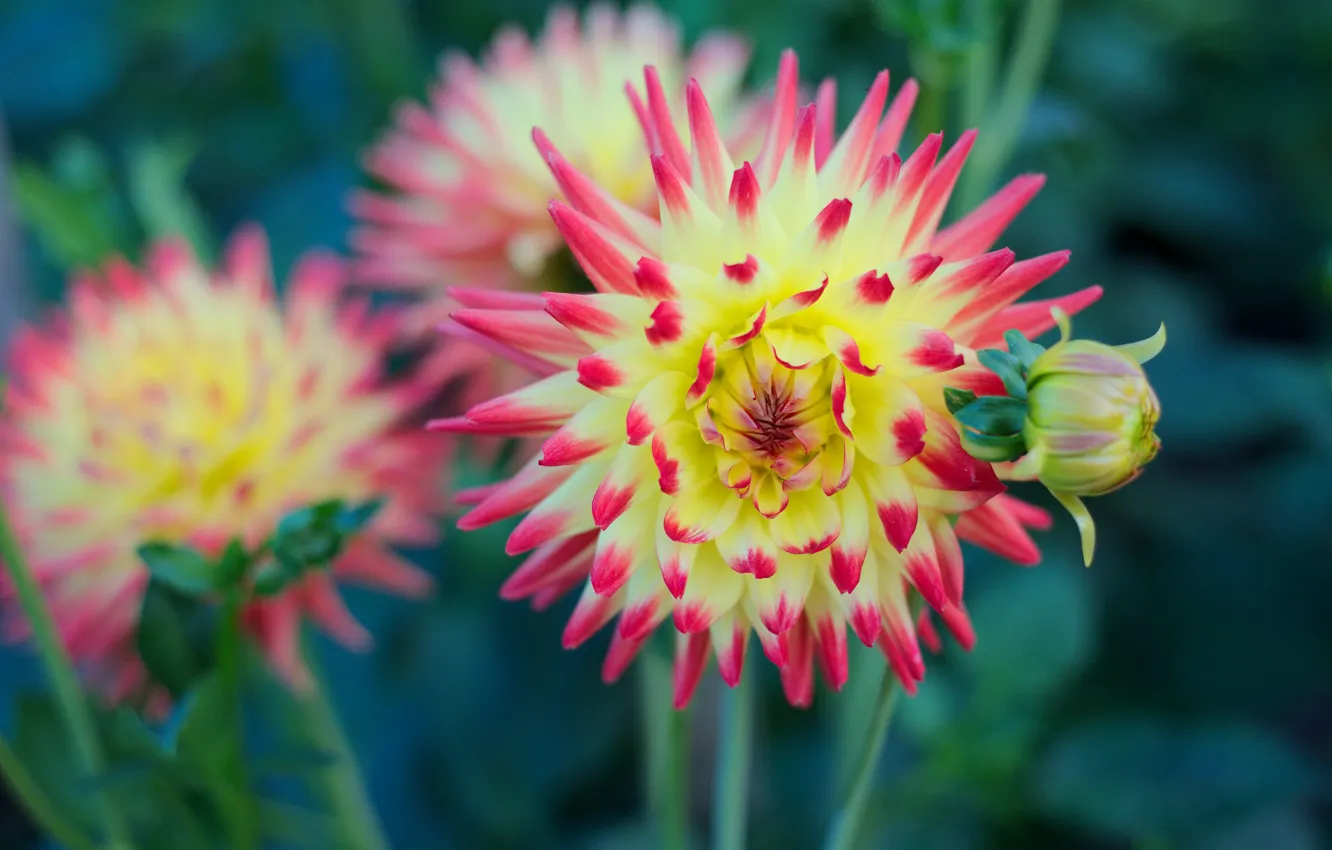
<point x="168" y="403"/>
<point x="469" y="190"/>
<point x="744" y="426"/>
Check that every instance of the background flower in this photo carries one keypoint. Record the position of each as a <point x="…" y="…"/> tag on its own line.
<point x="176" y="404"/>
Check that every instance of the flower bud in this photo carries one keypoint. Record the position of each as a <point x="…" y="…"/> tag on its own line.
<point x="1090" y="415"/>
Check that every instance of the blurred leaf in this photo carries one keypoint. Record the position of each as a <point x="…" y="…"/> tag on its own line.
<point x="178" y="566"/>
<point x="44" y="747"/>
<point x="1142" y="778"/>
<point x="352" y="519"/>
<point x="72" y="207"/>
<point x="175" y="637"/>
<point x="231" y="567"/>
<point x="207" y="734"/>
<point x="157" y="191"/>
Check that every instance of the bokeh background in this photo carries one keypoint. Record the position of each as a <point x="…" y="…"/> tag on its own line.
<point x="1176" y="696"/>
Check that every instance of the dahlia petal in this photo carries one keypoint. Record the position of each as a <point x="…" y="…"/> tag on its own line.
<point x="654" y="405"/>
<point x="782" y="123"/>
<point x="895" y="120"/>
<point x="810" y="523"/>
<point x="246" y="264"/>
<point x="646" y="605"/>
<point x="1015" y="281"/>
<point x="587" y="197"/>
<point x="947" y="478"/>
<point x="794" y="194"/>
<point x="895" y="502"/>
<point x="712" y="163"/>
<point x="794" y="349"/>
<point x="528" y="331"/>
<point x="927" y="633"/>
<point x="591" y="613"/>
<point x="327" y="610"/>
<point x="849" y="550"/>
<point x="746" y="546"/>
<point x="533" y="483"/>
<point x="551" y="399"/>
<point x="664" y="124"/>
<point x="959" y="624"/>
<point x="607" y="257"/>
<point x="912" y="350"/>
<point x="889" y="422"/>
<point x="700" y="513"/>
<point x="829" y="631"/>
<point x="935" y="193"/>
<point x="691" y="656"/>
<point x="825" y="129"/>
<point x="1033" y="318"/>
<point x="921" y="566"/>
<point x="630" y="473"/>
<point x="597" y="319"/>
<point x="621" y="369"/>
<point x="845" y="348"/>
<point x="706" y="371"/>
<point x="620" y="655"/>
<point x="712" y="591"/>
<point x="551" y="564"/>
<point x="620" y="551"/>
<point x="844" y="170"/>
<point x="566" y="511"/>
<point x="798" y="672"/>
<point x="590" y="431"/>
<point x="676" y="559"/>
<point x="949" y="555"/>
<point x="730" y="639"/>
<point x="861" y="603"/>
<point x="780" y="599"/>
<point x="977" y="231"/>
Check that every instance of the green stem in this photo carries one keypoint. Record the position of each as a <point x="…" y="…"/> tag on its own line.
<point x="667" y="734"/>
<point x="980" y="65"/>
<point x="734" y="749"/>
<point x="1035" y="37"/>
<point x="43" y="812"/>
<point x="64" y="680"/>
<point x="845" y="827"/>
<point x="242" y="824"/>
<point x="341" y="784"/>
<point x="932" y="102"/>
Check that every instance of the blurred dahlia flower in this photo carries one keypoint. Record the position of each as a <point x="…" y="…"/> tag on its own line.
<point x="168" y="403"/>
<point x="468" y="189"/>
<point x="744" y="426"/>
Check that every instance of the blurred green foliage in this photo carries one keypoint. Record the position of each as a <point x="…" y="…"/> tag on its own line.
<point x="1175" y="697"/>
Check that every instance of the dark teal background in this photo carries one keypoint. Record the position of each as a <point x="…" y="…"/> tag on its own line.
<point x="1176" y="696"/>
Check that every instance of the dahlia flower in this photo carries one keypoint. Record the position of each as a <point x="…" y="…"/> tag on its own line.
<point x="168" y="403"/>
<point x="469" y="191"/>
<point x="744" y="426"/>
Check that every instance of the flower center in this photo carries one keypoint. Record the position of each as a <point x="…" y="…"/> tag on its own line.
<point x="771" y="423"/>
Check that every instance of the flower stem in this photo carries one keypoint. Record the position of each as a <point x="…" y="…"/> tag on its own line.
<point x="667" y="739"/>
<point x="845" y="827"/>
<point x="734" y="750"/>
<point x="43" y="812"/>
<point x="64" y="680"/>
<point x="343" y="788"/>
<point x="1034" y="39"/>
<point x="241" y="820"/>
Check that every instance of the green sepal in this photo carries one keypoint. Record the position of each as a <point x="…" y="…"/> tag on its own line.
<point x="994" y="415"/>
<point x="274" y="577"/>
<point x="319" y="515"/>
<point x="1023" y="349"/>
<point x="957" y="399"/>
<point x="354" y="518"/>
<point x="993" y="448"/>
<point x="232" y="566"/>
<point x="175" y="637"/>
<point x="180" y="566"/>
<point x="1007" y="367"/>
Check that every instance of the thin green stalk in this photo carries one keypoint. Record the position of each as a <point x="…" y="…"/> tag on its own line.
<point x="735" y="744"/>
<point x="1035" y="38"/>
<point x="43" y="812"/>
<point x="931" y="113"/>
<point x="667" y="741"/>
<point x="243" y="828"/>
<point x="357" y="824"/>
<point x="982" y="61"/>
<point x="64" y="680"/>
<point x="845" y="828"/>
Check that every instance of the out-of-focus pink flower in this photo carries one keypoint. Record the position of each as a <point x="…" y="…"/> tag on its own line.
<point x="467" y="205"/>
<point x="171" y="403"/>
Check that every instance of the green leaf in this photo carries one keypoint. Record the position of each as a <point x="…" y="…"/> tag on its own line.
<point x="1007" y="367"/>
<point x="207" y="734"/>
<point x="994" y="415"/>
<point x="275" y="575"/>
<point x="45" y="748"/>
<point x="157" y="191"/>
<point x="232" y="566"/>
<point x="179" y="566"/>
<point x="319" y="515"/>
<point x="353" y="519"/>
<point x="957" y="399"/>
<point x="1023" y="349"/>
<point x="175" y="637"/>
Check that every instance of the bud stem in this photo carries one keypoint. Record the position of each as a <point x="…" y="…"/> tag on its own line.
<point x="845" y="828"/>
